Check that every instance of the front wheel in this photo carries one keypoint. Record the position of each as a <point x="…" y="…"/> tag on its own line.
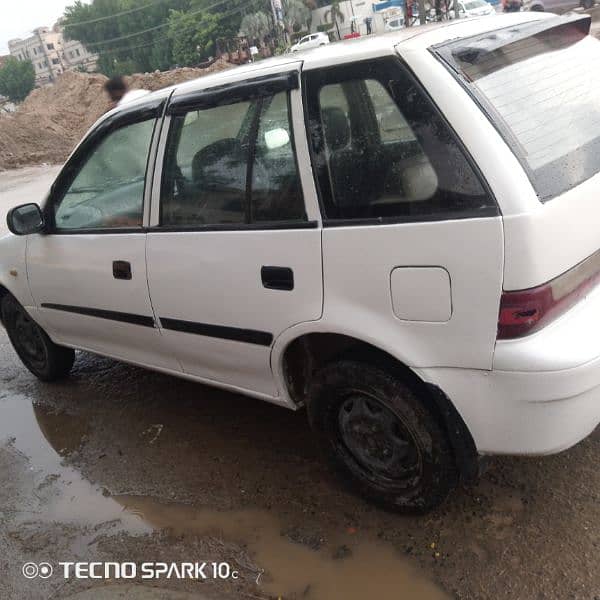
<point x="381" y="437"/>
<point x="45" y="359"/>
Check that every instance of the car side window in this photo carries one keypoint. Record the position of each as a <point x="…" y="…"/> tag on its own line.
<point x="382" y="150"/>
<point x="232" y="165"/>
<point x="276" y="190"/>
<point x="108" y="190"/>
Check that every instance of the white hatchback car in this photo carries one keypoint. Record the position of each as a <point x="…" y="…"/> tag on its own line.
<point x="394" y="24"/>
<point x="400" y="233"/>
<point x="314" y="40"/>
<point x="473" y="8"/>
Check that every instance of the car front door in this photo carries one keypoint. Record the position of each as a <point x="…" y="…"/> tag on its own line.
<point x="234" y="252"/>
<point x="87" y="271"/>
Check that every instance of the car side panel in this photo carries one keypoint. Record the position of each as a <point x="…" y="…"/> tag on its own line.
<point x="358" y="262"/>
<point x="13" y="269"/>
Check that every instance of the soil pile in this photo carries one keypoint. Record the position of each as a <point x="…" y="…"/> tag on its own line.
<point x="52" y="119"/>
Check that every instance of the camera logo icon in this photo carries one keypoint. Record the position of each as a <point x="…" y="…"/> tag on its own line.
<point x="32" y="570"/>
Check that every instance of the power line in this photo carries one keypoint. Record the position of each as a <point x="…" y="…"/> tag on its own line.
<point x="165" y="37"/>
<point x="156" y="27"/>
<point x="114" y="15"/>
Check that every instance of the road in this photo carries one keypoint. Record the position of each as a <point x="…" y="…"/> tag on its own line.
<point x="122" y="464"/>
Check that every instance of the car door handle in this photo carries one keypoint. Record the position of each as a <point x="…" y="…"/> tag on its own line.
<point x="277" y="278"/>
<point x="121" y="269"/>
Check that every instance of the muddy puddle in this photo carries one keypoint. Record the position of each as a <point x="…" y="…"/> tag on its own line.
<point x="346" y="565"/>
<point x="45" y="438"/>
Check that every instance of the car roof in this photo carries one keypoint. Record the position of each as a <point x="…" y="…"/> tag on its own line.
<point x="365" y="47"/>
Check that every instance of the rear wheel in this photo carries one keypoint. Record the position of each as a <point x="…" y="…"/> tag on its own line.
<point x="381" y="437"/>
<point x="45" y="359"/>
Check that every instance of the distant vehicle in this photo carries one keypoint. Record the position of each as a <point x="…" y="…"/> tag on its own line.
<point x="556" y="6"/>
<point x="473" y="8"/>
<point x="394" y="24"/>
<point x="311" y="41"/>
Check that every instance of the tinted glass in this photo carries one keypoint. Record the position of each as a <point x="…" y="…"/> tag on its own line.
<point x="108" y="191"/>
<point x="232" y="164"/>
<point x="543" y="91"/>
<point x="276" y="191"/>
<point x="383" y="151"/>
<point x="206" y="162"/>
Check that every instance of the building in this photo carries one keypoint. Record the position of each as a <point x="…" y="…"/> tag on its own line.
<point x="51" y="54"/>
<point x="355" y="14"/>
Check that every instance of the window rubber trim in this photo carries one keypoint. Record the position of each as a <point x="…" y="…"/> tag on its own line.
<point x="254" y="126"/>
<point x="232" y="93"/>
<point x="493" y="210"/>
<point x="122" y="118"/>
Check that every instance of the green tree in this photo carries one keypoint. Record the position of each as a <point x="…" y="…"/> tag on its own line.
<point x="193" y="36"/>
<point x="154" y="35"/>
<point x="335" y="15"/>
<point x="255" y="26"/>
<point x="136" y="40"/>
<point x="17" y="79"/>
<point x="295" y="15"/>
<point x="194" y="32"/>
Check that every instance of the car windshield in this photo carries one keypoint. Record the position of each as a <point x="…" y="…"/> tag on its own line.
<point x="542" y="93"/>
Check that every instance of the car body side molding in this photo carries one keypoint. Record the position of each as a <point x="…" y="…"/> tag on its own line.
<point x="111" y="315"/>
<point x="236" y="334"/>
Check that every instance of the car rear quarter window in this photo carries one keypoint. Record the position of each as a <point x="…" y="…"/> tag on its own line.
<point x="382" y="150"/>
<point x="542" y="93"/>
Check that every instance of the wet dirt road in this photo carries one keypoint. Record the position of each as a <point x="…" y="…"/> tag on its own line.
<point x="121" y="464"/>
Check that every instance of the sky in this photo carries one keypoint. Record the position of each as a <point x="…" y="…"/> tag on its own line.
<point x="19" y="17"/>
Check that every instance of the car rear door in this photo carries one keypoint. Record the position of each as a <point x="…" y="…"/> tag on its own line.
<point x="234" y="251"/>
<point x="412" y="238"/>
<point x="87" y="271"/>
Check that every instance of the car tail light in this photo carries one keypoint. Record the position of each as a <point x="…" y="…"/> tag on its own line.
<point x="526" y="311"/>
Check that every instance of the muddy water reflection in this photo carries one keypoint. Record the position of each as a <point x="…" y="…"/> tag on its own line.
<point x="362" y="569"/>
<point x="44" y="438"/>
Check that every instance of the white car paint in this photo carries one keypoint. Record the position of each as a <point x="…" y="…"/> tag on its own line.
<point x="395" y="23"/>
<point x="421" y="294"/>
<point x="313" y="40"/>
<point x="474" y="8"/>
<point x="532" y="395"/>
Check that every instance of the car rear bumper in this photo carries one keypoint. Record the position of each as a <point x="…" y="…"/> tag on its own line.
<point x="543" y="394"/>
<point x="524" y="413"/>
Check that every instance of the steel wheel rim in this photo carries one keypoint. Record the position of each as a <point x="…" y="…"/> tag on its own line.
<point x="29" y="340"/>
<point x="377" y="439"/>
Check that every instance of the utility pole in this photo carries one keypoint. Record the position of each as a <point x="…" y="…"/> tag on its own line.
<point x="422" y="16"/>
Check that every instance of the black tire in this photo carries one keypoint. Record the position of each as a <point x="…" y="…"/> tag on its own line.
<point x="45" y="359"/>
<point x="381" y="437"/>
<point x="587" y="4"/>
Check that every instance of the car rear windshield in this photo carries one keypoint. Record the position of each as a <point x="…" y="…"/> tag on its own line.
<point x="540" y="85"/>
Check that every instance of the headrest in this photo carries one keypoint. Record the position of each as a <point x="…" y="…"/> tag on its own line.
<point x="213" y="153"/>
<point x="335" y="128"/>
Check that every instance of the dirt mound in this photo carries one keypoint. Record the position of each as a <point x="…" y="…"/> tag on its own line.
<point x="52" y="119"/>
